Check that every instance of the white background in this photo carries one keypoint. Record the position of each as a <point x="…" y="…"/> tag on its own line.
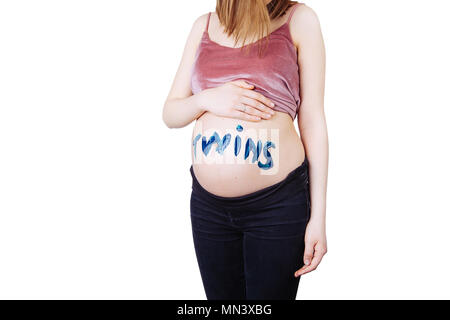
<point x="94" y="189"/>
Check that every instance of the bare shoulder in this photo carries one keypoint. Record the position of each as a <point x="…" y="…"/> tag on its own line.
<point x="199" y="25"/>
<point x="304" y="23"/>
<point x="305" y="16"/>
<point x="195" y="35"/>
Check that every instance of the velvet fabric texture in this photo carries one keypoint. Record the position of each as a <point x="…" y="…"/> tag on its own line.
<point x="249" y="247"/>
<point x="274" y="75"/>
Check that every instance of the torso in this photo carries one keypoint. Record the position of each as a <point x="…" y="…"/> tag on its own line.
<point x="220" y="166"/>
<point x="229" y="175"/>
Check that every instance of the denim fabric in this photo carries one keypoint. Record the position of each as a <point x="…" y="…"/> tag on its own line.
<point x="249" y="247"/>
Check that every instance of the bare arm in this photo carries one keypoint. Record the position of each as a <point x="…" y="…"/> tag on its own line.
<point x="313" y="129"/>
<point x="181" y="107"/>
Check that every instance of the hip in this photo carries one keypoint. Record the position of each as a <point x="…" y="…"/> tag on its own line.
<point x="279" y="210"/>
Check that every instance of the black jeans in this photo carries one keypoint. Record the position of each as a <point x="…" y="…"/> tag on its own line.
<point x="249" y="247"/>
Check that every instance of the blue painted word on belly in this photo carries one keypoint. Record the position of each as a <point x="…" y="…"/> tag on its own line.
<point x="250" y="147"/>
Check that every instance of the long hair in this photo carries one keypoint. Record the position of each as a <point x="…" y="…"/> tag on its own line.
<point x="243" y="19"/>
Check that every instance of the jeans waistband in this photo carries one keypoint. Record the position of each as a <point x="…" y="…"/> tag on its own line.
<point x="299" y="175"/>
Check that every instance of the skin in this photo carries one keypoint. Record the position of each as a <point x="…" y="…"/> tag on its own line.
<point x="182" y="107"/>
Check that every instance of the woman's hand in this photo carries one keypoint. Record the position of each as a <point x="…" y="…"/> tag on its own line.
<point x="236" y="99"/>
<point x="315" y="246"/>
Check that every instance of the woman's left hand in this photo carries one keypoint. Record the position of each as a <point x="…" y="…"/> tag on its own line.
<point x="315" y="246"/>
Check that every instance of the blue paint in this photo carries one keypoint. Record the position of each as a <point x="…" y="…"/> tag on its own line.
<point x="223" y="144"/>
<point x="237" y="145"/>
<point x="256" y="149"/>
<point x="206" y="145"/>
<point x="194" y="143"/>
<point x="250" y="146"/>
<point x="267" y="155"/>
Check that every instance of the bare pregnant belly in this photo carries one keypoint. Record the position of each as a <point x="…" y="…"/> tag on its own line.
<point x="234" y="157"/>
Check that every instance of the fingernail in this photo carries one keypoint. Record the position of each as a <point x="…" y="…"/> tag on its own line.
<point x="268" y="115"/>
<point x="307" y="262"/>
<point x="272" y="104"/>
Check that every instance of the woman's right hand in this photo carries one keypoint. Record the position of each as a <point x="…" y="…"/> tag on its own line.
<point x="236" y="99"/>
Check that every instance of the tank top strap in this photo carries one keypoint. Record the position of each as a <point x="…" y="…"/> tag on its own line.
<point x="292" y="11"/>
<point x="207" y="21"/>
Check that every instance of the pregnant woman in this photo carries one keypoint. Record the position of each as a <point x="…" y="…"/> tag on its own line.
<point x="258" y="198"/>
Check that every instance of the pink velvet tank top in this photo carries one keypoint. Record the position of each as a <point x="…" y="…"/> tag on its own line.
<point x="275" y="74"/>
